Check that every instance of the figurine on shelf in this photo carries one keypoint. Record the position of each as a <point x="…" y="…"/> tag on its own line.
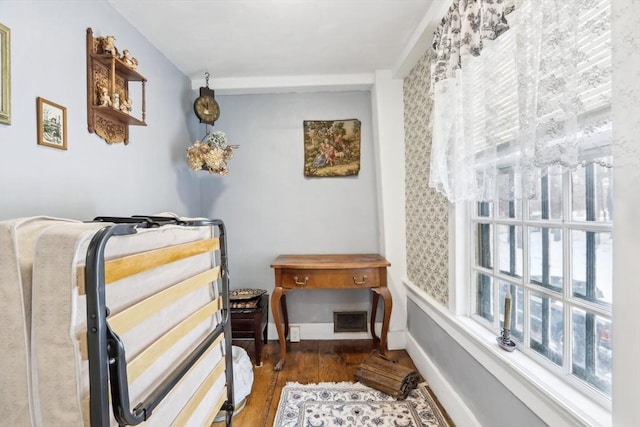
<point x="128" y="60"/>
<point x="104" y="99"/>
<point x="108" y="48"/>
<point x="125" y="106"/>
<point x="116" y="101"/>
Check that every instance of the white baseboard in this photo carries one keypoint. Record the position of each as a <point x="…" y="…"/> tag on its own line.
<point x="324" y="331"/>
<point x="397" y="340"/>
<point x="459" y="412"/>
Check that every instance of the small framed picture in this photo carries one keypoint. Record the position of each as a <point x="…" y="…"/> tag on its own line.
<point x="52" y="124"/>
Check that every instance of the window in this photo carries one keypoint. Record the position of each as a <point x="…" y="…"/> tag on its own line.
<point x="554" y="255"/>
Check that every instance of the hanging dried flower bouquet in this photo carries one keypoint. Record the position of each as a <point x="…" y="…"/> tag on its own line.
<point x="211" y="154"/>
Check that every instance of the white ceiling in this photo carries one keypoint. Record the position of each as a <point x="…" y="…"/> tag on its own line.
<point x="251" y="40"/>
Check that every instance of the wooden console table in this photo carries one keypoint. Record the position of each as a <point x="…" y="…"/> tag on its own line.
<point x="351" y="271"/>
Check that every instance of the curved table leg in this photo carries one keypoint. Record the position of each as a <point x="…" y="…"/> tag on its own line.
<point x="374" y="311"/>
<point x="277" y="295"/>
<point x="285" y="315"/>
<point x="388" y="305"/>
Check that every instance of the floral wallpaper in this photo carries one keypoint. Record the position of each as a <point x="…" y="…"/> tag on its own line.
<point x="426" y="210"/>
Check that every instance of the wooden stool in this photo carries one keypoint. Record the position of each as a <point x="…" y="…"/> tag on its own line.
<point x="252" y="323"/>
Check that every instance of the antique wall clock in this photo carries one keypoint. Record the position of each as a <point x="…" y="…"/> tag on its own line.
<point x="205" y="106"/>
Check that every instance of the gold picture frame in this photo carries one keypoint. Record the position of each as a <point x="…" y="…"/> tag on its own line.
<point x="5" y="75"/>
<point x="52" y="124"/>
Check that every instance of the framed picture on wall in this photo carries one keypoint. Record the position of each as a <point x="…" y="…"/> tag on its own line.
<point x="5" y="75"/>
<point x="331" y="147"/>
<point x="52" y="124"/>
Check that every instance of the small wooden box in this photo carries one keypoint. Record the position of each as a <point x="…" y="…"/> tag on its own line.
<point x="387" y="376"/>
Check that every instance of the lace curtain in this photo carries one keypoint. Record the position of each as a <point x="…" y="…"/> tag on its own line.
<point x="536" y="99"/>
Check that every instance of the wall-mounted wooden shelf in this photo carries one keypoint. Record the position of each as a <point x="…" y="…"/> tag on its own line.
<point x="108" y="73"/>
<point x="118" y="115"/>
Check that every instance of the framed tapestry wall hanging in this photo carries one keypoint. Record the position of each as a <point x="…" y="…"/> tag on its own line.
<point x="331" y="147"/>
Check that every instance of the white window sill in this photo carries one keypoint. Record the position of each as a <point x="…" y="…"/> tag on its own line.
<point x="551" y="398"/>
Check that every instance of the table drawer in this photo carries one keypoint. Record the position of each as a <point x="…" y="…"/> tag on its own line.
<point x="293" y="278"/>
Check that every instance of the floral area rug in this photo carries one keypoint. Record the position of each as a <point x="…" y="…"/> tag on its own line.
<point x="355" y="405"/>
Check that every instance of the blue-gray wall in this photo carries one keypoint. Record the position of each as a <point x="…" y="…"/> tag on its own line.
<point x="491" y="402"/>
<point x="268" y="205"/>
<point x="91" y="178"/>
<point x="270" y="208"/>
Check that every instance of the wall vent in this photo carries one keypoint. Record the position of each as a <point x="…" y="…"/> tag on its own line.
<point x="349" y="321"/>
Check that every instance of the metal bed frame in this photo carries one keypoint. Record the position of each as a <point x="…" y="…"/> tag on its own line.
<point x="107" y="362"/>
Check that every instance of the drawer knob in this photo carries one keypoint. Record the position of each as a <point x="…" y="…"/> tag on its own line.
<point x="357" y="282"/>
<point x="300" y="283"/>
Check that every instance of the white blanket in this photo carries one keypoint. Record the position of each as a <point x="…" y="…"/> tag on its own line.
<point x="18" y="238"/>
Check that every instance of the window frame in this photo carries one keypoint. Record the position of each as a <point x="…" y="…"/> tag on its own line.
<point x="472" y="269"/>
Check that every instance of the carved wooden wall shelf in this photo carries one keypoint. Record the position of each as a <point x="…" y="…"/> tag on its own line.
<point x="108" y="78"/>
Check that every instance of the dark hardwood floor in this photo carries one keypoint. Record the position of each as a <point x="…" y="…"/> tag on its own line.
<point x="309" y="361"/>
